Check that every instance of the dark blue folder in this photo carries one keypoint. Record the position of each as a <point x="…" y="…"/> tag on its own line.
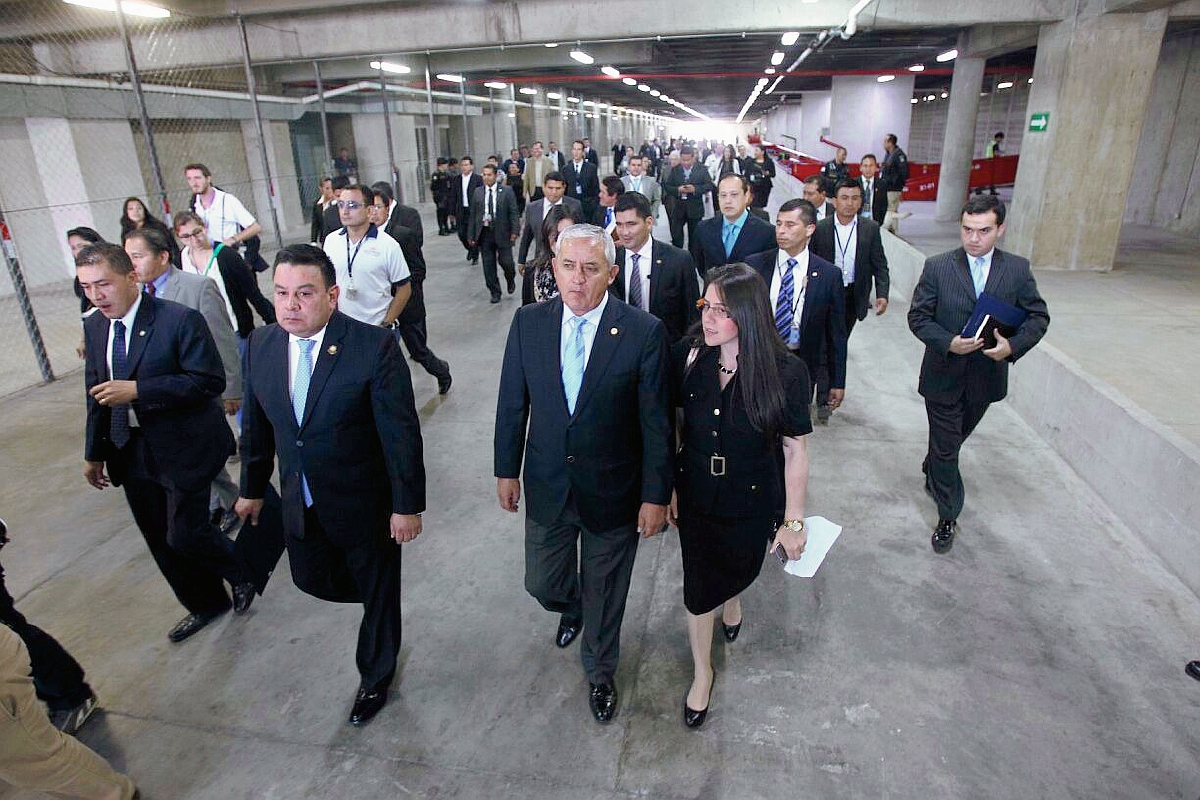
<point x="1003" y="316"/>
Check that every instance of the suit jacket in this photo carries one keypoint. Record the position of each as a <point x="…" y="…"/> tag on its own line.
<point x="693" y="205"/>
<point x="404" y="225"/>
<point x="754" y="237"/>
<point x="558" y="158"/>
<point x="535" y="215"/>
<point x="870" y="262"/>
<point x="673" y="291"/>
<point x="505" y="218"/>
<point x="200" y="293"/>
<point x="331" y="220"/>
<point x="823" y="319"/>
<point x="584" y="187"/>
<point x="410" y="218"/>
<point x="615" y="451"/>
<point x="359" y="444"/>
<point x="651" y="190"/>
<point x="829" y="210"/>
<point x="180" y="377"/>
<point x="943" y="301"/>
<point x="317" y="233"/>
<point x="473" y="183"/>
<point x="529" y="179"/>
<point x="877" y="204"/>
<point x="590" y="154"/>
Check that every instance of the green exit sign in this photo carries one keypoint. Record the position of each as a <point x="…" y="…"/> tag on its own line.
<point x="1039" y="122"/>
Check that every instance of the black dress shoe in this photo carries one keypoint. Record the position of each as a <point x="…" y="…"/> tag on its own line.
<point x="366" y="706"/>
<point x="943" y="535"/>
<point x="444" y="383"/>
<point x="512" y="285"/>
<point x="495" y="298"/>
<point x="731" y="631"/>
<point x="567" y="631"/>
<point x="243" y="596"/>
<point x="692" y="718"/>
<point x="1193" y="669"/>
<point x="189" y="625"/>
<point x="602" y="699"/>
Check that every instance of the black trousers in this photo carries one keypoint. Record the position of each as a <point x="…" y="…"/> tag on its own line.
<point x="191" y="552"/>
<point x="950" y="423"/>
<point x="583" y="575"/>
<point x="492" y="253"/>
<point x="416" y="338"/>
<point x="825" y="373"/>
<point x="463" y="214"/>
<point x="57" y="677"/>
<point x="363" y="570"/>
<point x="443" y="218"/>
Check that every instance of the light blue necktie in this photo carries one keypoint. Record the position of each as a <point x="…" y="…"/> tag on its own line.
<point x="300" y="384"/>
<point x="572" y="370"/>
<point x="977" y="275"/>
<point x="729" y="236"/>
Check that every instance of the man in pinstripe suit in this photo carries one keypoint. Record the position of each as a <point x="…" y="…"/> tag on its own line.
<point x="959" y="378"/>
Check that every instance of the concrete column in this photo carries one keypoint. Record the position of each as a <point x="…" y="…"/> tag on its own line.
<point x="958" y="143"/>
<point x="1073" y="177"/>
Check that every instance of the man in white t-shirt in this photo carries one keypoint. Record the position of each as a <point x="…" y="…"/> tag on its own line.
<point x="225" y="218"/>
<point x="372" y="274"/>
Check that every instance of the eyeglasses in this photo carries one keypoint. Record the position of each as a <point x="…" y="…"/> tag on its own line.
<point x="720" y="311"/>
<point x="352" y="205"/>
<point x="196" y="234"/>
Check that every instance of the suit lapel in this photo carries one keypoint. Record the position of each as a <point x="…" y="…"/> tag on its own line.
<point x="548" y="338"/>
<point x="811" y="287"/>
<point x="139" y="337"/>
<point x="608" y="336"/>
<point x="326" y="360"/>
<point x="618" y="286"/>
<point x="995" y="274"/>
<point x="962" y="268"/>
<point x="656" y="272"/>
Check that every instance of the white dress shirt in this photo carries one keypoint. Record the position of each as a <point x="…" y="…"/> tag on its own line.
<point x="799" y="286"/>
<point x="589" y="334"/>
<point x="546" y="206"/>
<point x="644" y="264"/>
<point x="466" y="182"/>
<point x="294" y="354"/>
<point x="845" y="248"/>
<point x="128" y="319"/>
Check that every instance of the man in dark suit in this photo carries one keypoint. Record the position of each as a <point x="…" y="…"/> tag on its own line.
<point x="403" y="223"/>
<point x="853" y="244"/>
<point x="494" y="230"/>
<point x="554" y="189"/>
<point x="610" y="189"/>
<point x="959" y="377"/>
<point x="814" y="192"/>
<point x="331" y="218"/>
<point x="331" y="397"/>
<point x="318" y="231"/>
<point x="584" y="396"/>
<point x="556" y="156"/>
<point x="464" y="190"/>
<point x="734" y="233"/>
<point x="874" y="190"/>
<point x="154" y="380"/>
<point x="655" y="276"/>
<point x="590" y="153"/>
<point x="686" y="185"/>
<point x="807" y="296"/>
<point x="583" y="182"/>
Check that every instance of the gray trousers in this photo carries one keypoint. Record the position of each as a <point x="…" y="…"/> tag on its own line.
<point x="583" y="575"/>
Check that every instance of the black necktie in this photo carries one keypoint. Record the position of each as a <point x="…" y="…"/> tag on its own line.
<point x="118" y="424"/>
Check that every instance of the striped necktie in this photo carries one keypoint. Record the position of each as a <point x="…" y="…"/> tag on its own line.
<point x="783" y="306"/>
<point x="573" y="363"/>
<point x="118" y="423"/>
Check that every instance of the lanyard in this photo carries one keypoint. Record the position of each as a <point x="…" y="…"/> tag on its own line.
<point x="798" y="290"/>
<point x="849" y="238"/>
<point x="213" y="257"/>
<point x="350" y="258"/>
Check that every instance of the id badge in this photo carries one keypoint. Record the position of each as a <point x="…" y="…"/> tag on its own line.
<point x="350" y="290"/>
<point x="579" y="188"/>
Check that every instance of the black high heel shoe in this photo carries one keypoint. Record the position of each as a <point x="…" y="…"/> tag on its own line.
<point x="694" y="719"/>
<point x="731" y="631"/>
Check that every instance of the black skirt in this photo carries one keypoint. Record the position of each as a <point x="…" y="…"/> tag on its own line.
<point x="721" y="556"/>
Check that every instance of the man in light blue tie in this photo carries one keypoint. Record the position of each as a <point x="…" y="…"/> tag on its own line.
<point x="583" y="407"/>
<point x="960" y="376"/>
<point x="646" y="185"/>
<point x="735" y="233"/>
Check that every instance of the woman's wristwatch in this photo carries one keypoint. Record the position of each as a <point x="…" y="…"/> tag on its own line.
<point x="795" y="525"/>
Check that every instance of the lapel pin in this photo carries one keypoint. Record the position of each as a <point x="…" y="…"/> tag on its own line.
<point x="613" y="331"/>
<point x="332" y="350"/>
<point x="813" y="275"/>
<point x="142" y="332"/>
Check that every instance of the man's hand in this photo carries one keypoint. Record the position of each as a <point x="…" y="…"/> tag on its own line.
<point x="232" y="241"/>
<point x="880" y="305"/>
<point x="232" y="406"/>
<point x="115" y="393"/>
<point x="960" y="346"/>
<point x="93" y="471"/>
<point x="836" y="396"/>
<point x="508" y="490"/>
<point x="405" y="527"/>
<point x="673" y="510"/>
<point x="248" y="508"/>
<point x="652" y="519"/>
<point x="81" y="348"/>
<point x="470" y="242"/>
<point x="520" y="271"/>
<point x="1001" y="351"/>
<point x="514" y="237"/>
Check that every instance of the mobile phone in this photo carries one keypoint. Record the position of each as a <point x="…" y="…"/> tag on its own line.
<point x="780" y="553"/>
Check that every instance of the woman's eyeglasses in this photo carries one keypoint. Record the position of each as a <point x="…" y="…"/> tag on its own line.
<point x="718" y="310"/>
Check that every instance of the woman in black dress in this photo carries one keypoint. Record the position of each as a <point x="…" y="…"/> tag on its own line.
<point x="742" y="469"/>
<point x="539" y="272"/>
<point x="760" y="171"/>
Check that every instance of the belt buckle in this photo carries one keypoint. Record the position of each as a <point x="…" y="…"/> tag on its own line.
<point x="716" y="466"/>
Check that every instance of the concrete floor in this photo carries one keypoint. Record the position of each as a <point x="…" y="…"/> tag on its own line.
<point x="1043" y="657"/>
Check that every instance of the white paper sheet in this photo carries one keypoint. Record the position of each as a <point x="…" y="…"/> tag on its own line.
<point x="821" y="535"/>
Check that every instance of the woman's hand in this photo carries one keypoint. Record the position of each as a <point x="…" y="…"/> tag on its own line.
<point x="793" y="541"/>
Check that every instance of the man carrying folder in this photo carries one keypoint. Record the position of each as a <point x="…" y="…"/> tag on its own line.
<point x="960" y="375"/>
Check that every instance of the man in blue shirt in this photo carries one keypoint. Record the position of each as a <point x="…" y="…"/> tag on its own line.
<point x="735" y="233"/>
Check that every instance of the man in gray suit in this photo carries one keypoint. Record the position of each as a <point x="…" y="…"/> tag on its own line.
<point x="961" y="376"/>
<point x="638" y="181"/>
<point x="494" y="229"/>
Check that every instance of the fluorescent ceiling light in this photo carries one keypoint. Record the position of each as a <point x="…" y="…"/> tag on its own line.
<point x="914" y="100"/>
<point x="655" y="93"/>
<point x="446" y="76"/>
<point x="945" y="95"/>
<point x="886" y="78"/>
<point x="528" y="90"/>
<point x="551" y="44"/>
<point x="789" y="38"/>
<point x="777" y="58"/>
<point x="496" y="85"/>
<point x="769" y="71"/>
<point x="388" y="66"/>
<point x="582" y="57"/>
<point x="1004" y="85"/>
<point x="133" y="9"/>
<point x="1031" y="80"/>
<point x="572" y="99"/>
<point x="773" y="85"/>
<point x="511" y="114"/>
<point x="611" y="72"/>
<point x="643" y="87"/>
<point x="763" y="81"/>
<point x="949" y="55"/>
<point x="629" y="81"/>
<point x="553" y="96"/>
<point x="917" y="68"/>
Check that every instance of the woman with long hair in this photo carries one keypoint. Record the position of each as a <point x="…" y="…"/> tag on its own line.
<point x="760" y="171"/>
<point x="743" y="464"/>
<point x="557" y="220"/>
<point x="136" y="217"/>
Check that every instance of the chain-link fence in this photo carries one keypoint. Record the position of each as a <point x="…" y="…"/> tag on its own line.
<point x="98" y="108"/>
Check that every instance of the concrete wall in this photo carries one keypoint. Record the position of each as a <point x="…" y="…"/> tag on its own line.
<point x="1165" y="192"/>
<point x="218" y="144"/>
<point x="1002" y="110"/>
<point x="814" y="124"/>
<point x="863" y="111"/>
